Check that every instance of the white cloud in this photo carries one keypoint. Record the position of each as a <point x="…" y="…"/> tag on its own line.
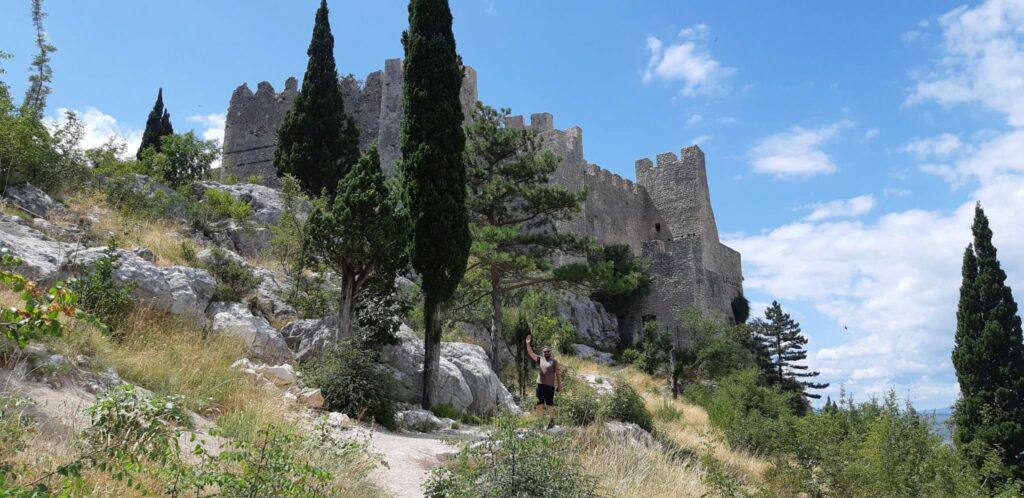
<point x="896" y="192"/>
<point x="911" y="36"/>
<point x="688" y="60"/>
<point x="940" y="146"/>
<point x="795" y="153"/>
<point x="700" y="139"/>
<point x="99" y="127"/>
<point x="214" y="124"/>
<point x="728" y="120"/>
<point x="694" y="119"/>
<point x="983" y="62"/>
<point x="848" y="208"/>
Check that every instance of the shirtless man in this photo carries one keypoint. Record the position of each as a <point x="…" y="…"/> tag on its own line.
<point x="549" y="380"/>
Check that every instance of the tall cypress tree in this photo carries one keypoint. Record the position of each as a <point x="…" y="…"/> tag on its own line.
<point x="433" y="168"/>
<point x="318" y="142"/>
<point x="158" y="124"/>
<point x="780" y="336"/>
<point x="988" y="355"/>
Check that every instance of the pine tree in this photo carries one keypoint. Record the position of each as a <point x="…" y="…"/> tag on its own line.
<point x="158" y="125"/>
<point x="433" y="168"/>
<point x="988" y="356"/>
<point x="512" y="206"/>
<point x="318" y="142"/>
<point x="780" y="335"/>
<point x="362" y="235"/>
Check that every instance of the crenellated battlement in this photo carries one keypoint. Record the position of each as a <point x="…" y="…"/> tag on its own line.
<point x="603" y="176"/>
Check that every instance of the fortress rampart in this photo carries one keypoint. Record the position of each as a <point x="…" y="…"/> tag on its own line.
<point x="665" y="216"/>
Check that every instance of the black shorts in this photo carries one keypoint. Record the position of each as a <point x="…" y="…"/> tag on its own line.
<point x="545" y="395"/>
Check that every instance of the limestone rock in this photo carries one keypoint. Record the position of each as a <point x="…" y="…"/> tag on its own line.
<point x="205" y="256"/>
<point x="248" y="239"/>
<point x="405" y="361"/>
<point x="307" y="338"/>
<point x="631" y="434"/>
<point x="269" y="293"/>
<point x="41" y="257"/>
<point x="420" y="420"/>
<point x="601" y="384"/>
<point x="340" y="420"/>
<point x="280" y="375"/>
<point x="594" y="325"/>
<point x="589" y="353"/>
<point x="264" y="342"/>
<point x="32" y="199"/>
<point x="145" y="253"/>
<point x="489" y="393"/>
<point x="266" y="202"/>
<point x="311" y="398"/>
<point x="175" y="289"/>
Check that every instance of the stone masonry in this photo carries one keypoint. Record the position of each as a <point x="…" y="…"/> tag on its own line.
<point x="665" y="216"/>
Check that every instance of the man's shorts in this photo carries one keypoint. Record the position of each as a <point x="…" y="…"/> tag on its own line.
<point x="545" y="395"/>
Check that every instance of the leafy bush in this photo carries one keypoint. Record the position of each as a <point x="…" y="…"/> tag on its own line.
<point x="234" y="281"/>
<point x="98" y="292"/>
<point x="512" y="463"/>
<point x="578" y="403"/>
<point x="549" y="329"/>
<point x="309" y="295"/>
<point x="753" y="417"/>
<point x="353" y="384"/>
<point x="144" y="201"/>
<point x="630" y="356"/>
<point x="182" y="159"/>
<point x="627" y="405"/>
<point x="223" y="205"/>
<point x="628" y="282"/>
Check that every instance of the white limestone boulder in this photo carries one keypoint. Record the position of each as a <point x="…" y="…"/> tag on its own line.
<point x="594" y="325"/>
<point x="32" y="199"/>
<point x="631" y="434"/>
<point x="175" y="289"/>
<point x="405" y="362"/>
<point x="589" y="353"/>
<point x="41" y="256"/>
<point x="263" y="341"/>
<point x="489" y="394"/>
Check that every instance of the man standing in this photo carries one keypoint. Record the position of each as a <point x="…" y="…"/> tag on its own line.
<point x="549" y="380"/>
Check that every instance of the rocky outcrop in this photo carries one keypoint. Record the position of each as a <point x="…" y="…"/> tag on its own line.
<point x="307" y="338"/>
<point x="31" y="199"/>
<point x="270" y="292"/>
<point x="41" y="256"/>
<point x="175" y="289"/>
<point x="589" y="353"/>
<point x="594" y="325"/>
<point x="631" y="434"/>
<point x="420" y="420"/>
<point x="263" y="341"/>
<point x="464" y="378"/>
<point x="266" y="203"/>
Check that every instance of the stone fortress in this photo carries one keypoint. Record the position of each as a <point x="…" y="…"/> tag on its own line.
<point x="665" y="216"/>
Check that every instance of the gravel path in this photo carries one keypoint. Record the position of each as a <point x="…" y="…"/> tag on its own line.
<point x="409" y="459"/>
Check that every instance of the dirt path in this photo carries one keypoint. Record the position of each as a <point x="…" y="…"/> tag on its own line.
<point x="409" y="459"/>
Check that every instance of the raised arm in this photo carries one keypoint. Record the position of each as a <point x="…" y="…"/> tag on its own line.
<point x="529" y="350"/>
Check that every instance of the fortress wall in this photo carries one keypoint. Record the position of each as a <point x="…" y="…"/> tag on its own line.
<point x="250" y="128"/>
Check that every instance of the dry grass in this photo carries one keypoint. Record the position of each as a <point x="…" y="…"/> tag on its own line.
<point x="625" y="471"/>
<point x="691" y="430"/>
<point x="162" y="236"/>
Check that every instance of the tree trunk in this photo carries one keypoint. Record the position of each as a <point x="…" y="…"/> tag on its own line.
<point x="431" y="350"/>
<point x="348" y="285"/>
<point x="495" y="321"/>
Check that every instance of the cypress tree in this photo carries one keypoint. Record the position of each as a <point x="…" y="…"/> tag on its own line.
<point x="988" y="356"/>
<point x="433" y="168"/>
<point x="784" y="342"/>
<point x="318" y="142"/>
<point x="158" y="124"/>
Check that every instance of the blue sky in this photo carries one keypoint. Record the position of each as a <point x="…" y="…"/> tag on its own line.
<point x="846" y="144"/>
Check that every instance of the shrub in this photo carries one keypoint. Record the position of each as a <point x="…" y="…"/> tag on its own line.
<point x="15" y="426"/>
<point x="234" y="281"/>
<point x="182" y="159"/>
<point x="627" y="405"/>
<point x="630" y="356"/>
<point x="578" y="403"/>
<point x="628" y="282"/>
<point x="512" y="463"/>
<point x="223" y="205"/>
<point x="98" y="292"/>
<point x="144" y="202"/>
<point x="309" y="296"/>
<point x="352" y="383"/>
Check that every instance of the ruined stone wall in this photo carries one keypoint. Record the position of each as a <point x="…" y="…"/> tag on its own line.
<point x="665" y="217"/>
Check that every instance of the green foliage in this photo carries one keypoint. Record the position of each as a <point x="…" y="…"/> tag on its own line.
<point x="627" y="405"/>
<point x="629" y="356"/>
<point x="158" y="125"/>
<point x="220" y="205"/>
<point x="654" y="349"/>
<point x="361" y="236"/>
<point x="15" y="426"/>
<point x="667" y="412"/>
<point x="181" y="159"/>
<point x="318" y="142"/>
<point x="309" y="296"/>
<point x="512" y="463"/>
<point x="235" y="281"/>
<point x="780" y="336"/>
<point x="98" y="292"/>
<point x="740" y="309"/>
<point x="513" y="206"/>
<point x="39" y="316"/>
<point x="988" y="355"/>
<point x="715" y="348"/>
<point x="433" y="169"/>
<point x="540" y="310"/>
<point x="578" y="403"/>
<point x="150" y="202"/>
<point x="286" y="243"/>
<point x="352" y="383"/>
<point x="126" y="423"/>
<point x="628" y="282"/>
<point x="754" y="417"/>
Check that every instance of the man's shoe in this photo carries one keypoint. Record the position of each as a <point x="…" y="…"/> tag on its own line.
<point x="551" y="424"/>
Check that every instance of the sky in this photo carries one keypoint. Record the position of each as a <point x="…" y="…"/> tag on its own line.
<point x="846" y="143"/>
